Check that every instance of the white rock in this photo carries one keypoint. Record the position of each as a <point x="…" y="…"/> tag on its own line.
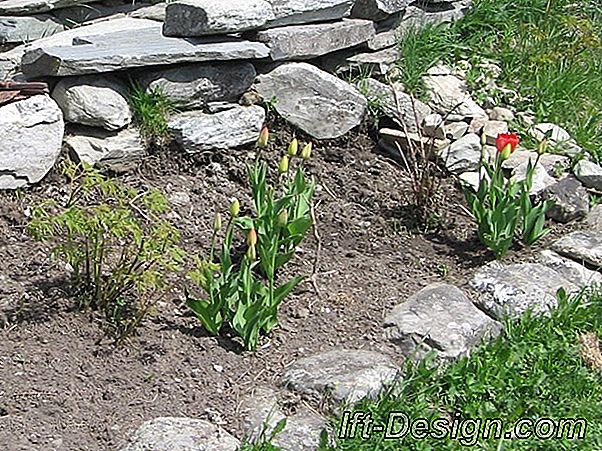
<point x="463" y="155"/>
<point x="499" y="113"/>
<point x="559" y="138"/>
<point x="214" y="17"/>
<point x="31" y="131"/>
<point x="570" y="269"/>
<point x="94" y="101"/>
<point x="541" y="179"/>
<point x="492" y="129"/>
<point x="196" y="131"/>
<point x="582" y="246"/>
<point x="588" y="173"/>
<point x="433" y="127"/>
<point x="455" y="130"/>
<point x="317" y="102"/>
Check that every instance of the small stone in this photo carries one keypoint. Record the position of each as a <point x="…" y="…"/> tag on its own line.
<point x="571" y="200"/>
<point x="188" y="18"/>
<point x="514" y="289"/>
<point x="569" y="269"/>
<point x="439" y="317"/>
<point x="341" y="375"/>
<point x="462" y="155"/>
<point x="432" y="126"/>
<point x="196" y="131"/>
<point x="492" y="129"/>
<point x="501" y="114"/>
<point x="588" y="173"/>
<point x="581" y="246"/>
<point x="96" y="101"/>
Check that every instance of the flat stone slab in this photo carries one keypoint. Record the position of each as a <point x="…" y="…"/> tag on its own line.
<point x="297" y="42"/>
<point x="27" y="28"/>
<point x="340" y="375"/>
<point x="215" y="17"/>
<point x="196" y="131"/>
<point x="31" y="131"/>
<point x="378" y="9"/>
<point x="582" y="246"/>
<point x="439" y="317"/>
<point x="26" y="7"/>
<point x="193" y="86"/>
<point x="317" y="102"/>
<point x="511" y="290"/>
<point x="289" y="12"/>
<point x="181" y="434"/>
<point x="128" y="49"/>
<point x="570" y="269"/>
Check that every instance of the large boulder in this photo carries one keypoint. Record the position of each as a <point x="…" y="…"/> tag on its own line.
<point x="213" y="17"/>
<point x="196" y="131"/>
<point x="310" y="41"/>
<point x="317" y="102"/>
<point x="32" y="134"/>
<point x="195" y="85"/>
<point x="94" y="101"/>
<point x="181" y="434"/>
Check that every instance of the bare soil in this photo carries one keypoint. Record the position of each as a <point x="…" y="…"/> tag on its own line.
<point x="65" y="386"/>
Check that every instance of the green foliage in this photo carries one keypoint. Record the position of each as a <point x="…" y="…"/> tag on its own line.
<point x="151" y="110"/>
<point x="533" y="371"/>
<point x="246" y="295"/>
<point x="116" y="242"/>
<point x="503" y="208"/>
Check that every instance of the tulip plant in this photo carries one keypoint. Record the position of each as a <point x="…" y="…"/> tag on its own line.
<point x="503" y="208"/>
<point x="246" y="294"/>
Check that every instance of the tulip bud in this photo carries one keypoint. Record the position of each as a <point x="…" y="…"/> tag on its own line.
<point x="293" y="147"/>
<point x="283" y="218"/>
<point x="483" y="139"/>
<point x="306" y="152"/>
<point x="217" y="222"/>
<point x="541" y="149"/>
<point x="252" y="254"/>
<point x="264" y="136"/>
<point x="234" y="208"/>
<point x="283" y="166"/>
<point x="252" y="238"/>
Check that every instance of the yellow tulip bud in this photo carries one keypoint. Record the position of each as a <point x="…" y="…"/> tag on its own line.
<point x="541" y="149"/>
<point x="217" y="222"/>
<point x="293" y="147"/>
<point x="283" y="218"/>
<point x="234" y="208"/>
<point x="306" y="152"/>
<point x="506" y="152"/>
<point x="252" y="254"/>
<point x="283" y="166"/>
<point x="264" y="137"/>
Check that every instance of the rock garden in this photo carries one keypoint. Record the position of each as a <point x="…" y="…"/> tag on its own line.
<point x="223" y="224"/>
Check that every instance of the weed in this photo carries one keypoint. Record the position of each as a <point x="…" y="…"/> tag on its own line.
<point x="151" y="110"/>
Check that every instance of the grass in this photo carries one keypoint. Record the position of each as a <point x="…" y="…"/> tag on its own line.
<point x="550" y="53"/>
<point x="533" y="371"/>
<point x="151" y="110"/>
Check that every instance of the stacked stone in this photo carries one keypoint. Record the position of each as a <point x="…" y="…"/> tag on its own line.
<point x="203" y="55"/>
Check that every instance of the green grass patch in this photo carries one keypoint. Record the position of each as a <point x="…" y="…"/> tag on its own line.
<point x="151" y="110"/>
<point x="550" y="53"/>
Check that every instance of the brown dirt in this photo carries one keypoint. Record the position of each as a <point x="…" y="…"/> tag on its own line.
<point x="63" y="386"/>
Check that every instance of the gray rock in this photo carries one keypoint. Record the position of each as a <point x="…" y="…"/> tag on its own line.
<point x="514" y="289"/>
<point x="432" y="126"/>
<point x="128" y="49"/>
<point x="304" y="95"/>
<point x="181" y="434"/>
<point x="397" y="105"/>
<point x="27" y="7"/>
<point x="462" y="155"/>
<point x="310" y="41"/>
<point x="570" y="269"/>
<point x="448" y="94"/>
<point x="378" y="9"/>
<point x="197" y="132"/>
<point x="594" y="218"/>
<point x="214" y="17"/>
<point x="455" y="130"/>
<point x="571" y="200"/>
<point x="499" y="113"/>
<point x="118" y="151"/>
<point x="377" y="63"/>
<point x="492" y="129"/>
<point x="100" y="12"/>
<point x="261" y="412"/>
<point x="588" y="173"/>
<point x="541" y="179"/>
<point x="439" y="317"/>
<point x="153" y="12"/>
<point x="28" y="28"/>
<point x="552" y="163"/>
<point x="289" y="12"/>
<point x="94" y="101"/>
<point x="341" y="375"/>
<point x="32" y="133"/>
<point x="195" y="85"/>
<point x="582" y="246"/>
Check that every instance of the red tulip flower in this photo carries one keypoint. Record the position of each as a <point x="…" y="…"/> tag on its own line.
<point x="506" y="143"/>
